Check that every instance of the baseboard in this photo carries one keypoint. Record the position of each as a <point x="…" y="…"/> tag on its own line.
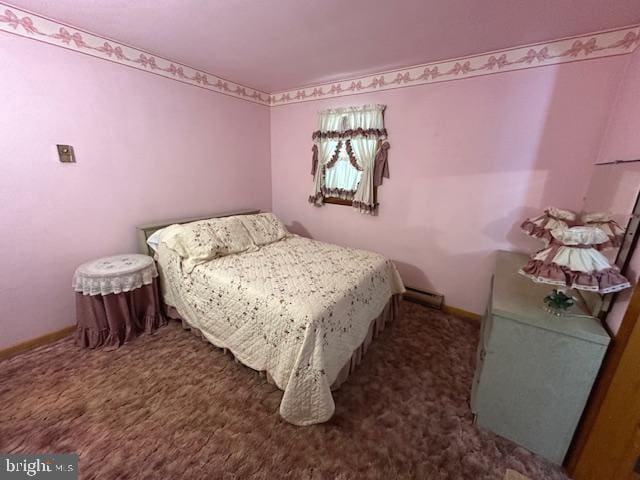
<point x="423" y="297"/>
<point x="36" y="342"/>
<point x="459" y="312"/>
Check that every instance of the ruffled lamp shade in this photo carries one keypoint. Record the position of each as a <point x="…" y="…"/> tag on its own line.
<point x="572" y="260"/>
<point x="553" y="218"/>
<point x="603" y="221"/>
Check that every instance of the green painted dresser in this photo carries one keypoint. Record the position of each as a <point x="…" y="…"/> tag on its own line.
<point x="534" y="371"/>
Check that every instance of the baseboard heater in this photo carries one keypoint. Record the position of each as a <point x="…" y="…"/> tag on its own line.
<point x="428" y="299"/>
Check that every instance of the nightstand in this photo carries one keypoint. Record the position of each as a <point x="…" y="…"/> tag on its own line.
<point x="117" y="298"/>
<point x="534" y="371"/>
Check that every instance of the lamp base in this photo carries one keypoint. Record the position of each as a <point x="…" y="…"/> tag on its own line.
<point x="557" y="303"/>
<point x="556" y="312"/>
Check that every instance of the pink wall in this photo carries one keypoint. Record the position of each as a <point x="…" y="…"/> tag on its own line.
<point x="148" y="149"/>
<point x="469" y="160"/>
<point x="621" y="301"/>
<point x="622" y="141"/>
<point x="614" y="188"/>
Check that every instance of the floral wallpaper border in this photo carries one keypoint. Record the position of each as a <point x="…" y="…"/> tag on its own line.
<point x="596" y="45"/>
<point x="602" y="44"/>
<point x="26" y="24"/>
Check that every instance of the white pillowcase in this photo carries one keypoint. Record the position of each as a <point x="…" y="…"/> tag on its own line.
<point x="264" y="228"/>
<point x="201" y="241"/>
<point x="154" y="239"/>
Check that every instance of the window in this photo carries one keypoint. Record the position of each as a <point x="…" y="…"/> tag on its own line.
<point x="342" y="179"/>
<point x="349" y="157"/>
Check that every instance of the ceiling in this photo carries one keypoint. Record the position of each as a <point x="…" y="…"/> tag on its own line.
<point x="274" y="45"/>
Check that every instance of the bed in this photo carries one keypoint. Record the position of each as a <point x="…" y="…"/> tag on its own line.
<point x="301" y="310"/>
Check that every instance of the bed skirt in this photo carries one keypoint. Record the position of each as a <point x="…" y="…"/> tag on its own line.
<point x="389" y="313"/>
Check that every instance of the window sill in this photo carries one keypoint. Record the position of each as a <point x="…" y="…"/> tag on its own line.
<point x="338" y="201"/>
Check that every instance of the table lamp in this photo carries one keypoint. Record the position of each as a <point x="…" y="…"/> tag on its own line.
<point x="571" y="260"/>
<point x="604" y="222"/>
<point x="541" y="226"/>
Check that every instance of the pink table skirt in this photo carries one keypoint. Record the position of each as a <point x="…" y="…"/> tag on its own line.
<point x="110" y="320"/>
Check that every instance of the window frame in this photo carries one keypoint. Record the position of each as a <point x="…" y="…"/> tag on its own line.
<point x="349" y="203"/>
<point x="338" y="201"/>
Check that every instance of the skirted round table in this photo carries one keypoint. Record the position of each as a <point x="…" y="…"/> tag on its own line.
<point x="117" y="299"/>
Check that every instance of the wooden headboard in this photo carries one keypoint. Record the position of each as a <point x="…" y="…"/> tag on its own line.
<point x="145" y="231"/>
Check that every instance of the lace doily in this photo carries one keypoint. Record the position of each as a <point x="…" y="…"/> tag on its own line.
<point x="117" y="274"/>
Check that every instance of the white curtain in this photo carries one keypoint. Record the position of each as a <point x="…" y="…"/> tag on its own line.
<point x="364" y="150"/>
<point x="342" y="179"/>
<point x="370" y="119"/>
<point x="328" y="122"/>
<point x="362" y="128"/>
<point x="367" y="117"/>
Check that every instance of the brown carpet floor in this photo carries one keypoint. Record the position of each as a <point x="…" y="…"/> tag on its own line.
<point x="172" y="406"/>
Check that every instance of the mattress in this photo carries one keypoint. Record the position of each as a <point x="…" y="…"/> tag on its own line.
<point x="297" y="309"/>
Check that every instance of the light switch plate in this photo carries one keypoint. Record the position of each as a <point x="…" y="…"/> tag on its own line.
<point x="65" y="153"/>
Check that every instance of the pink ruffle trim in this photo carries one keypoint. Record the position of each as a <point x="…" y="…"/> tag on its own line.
<point x="605" y="281"/>
<point x="543" y="233"/>
<point x="536" y="231"/>
<point x="88" y="337"/>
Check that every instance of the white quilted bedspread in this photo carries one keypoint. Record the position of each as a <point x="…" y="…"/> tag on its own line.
<point x="297" y="308"/>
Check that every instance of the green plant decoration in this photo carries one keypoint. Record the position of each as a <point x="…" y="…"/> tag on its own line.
<point x="558" y="300"/>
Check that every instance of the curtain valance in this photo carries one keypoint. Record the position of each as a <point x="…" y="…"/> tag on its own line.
<point x="358" y="134"/>
<point x="343" y="123"/>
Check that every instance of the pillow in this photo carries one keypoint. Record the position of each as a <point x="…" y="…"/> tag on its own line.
<point x="154" y="239"/>
<point x="264" y="228"/>
<point x="201" y="241"/>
